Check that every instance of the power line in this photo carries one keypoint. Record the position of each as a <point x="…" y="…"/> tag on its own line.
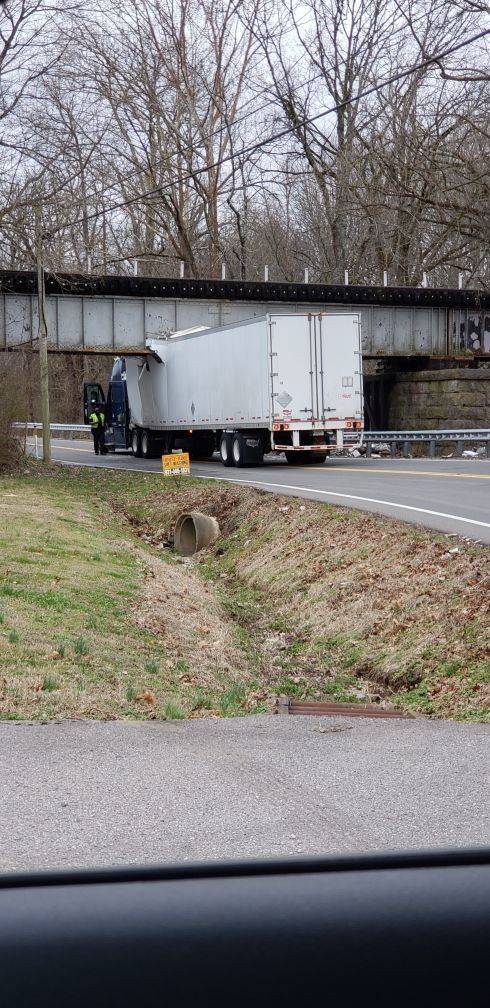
<point x="279" y="135"/>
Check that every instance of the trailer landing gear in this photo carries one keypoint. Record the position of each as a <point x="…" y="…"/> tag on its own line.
<point x="202" y="446"/>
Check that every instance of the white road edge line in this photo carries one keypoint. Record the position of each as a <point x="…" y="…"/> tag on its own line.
<point x="289" y="486"/>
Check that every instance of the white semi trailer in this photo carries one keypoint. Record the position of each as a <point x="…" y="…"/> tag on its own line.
<point x="279" y="383"/>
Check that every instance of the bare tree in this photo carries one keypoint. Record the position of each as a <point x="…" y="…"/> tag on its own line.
<point x="168" y="84"/>
<point x="384" y="185"/>
<point x="135" y="133"/>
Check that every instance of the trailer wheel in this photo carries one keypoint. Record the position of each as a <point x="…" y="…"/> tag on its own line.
<point x="136" y="443"/>
<point x="225" y="449"/>
<point x="247" y="449"/>
<point x="317" y="457"/>
<point x="238" y="450"/>
<point x="146" y="446"/>
<point x="241" y="454"/>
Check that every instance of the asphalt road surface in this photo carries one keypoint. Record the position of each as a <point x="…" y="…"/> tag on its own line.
<point x="81" y="794"/>
<point x="452" y="495"/>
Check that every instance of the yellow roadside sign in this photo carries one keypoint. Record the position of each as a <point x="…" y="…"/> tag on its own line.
<point x="176" y="464"/>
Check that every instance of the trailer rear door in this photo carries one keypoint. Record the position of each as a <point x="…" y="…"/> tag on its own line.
<point x="292" y="367"/>
<point x="338" y="343"/>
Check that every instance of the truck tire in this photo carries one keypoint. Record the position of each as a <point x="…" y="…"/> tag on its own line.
<point x="225" y="449"/>
<point x="146" y="445"/>
<point x="246" y="449"/>
<point x="317" y="458"/>
<point x="136" y="443"/>
<point x="238" y="450"/>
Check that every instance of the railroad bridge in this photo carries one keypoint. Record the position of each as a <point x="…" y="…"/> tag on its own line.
<point x="404" y="329"/>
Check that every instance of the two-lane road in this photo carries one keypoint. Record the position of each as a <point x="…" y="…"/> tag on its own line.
<point x="451" y="495"/>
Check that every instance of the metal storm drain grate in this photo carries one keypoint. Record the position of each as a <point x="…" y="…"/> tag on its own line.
<point x="286" y="705"/>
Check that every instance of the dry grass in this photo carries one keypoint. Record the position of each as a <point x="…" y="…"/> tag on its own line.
<point x="349" y="603"/>
<point x="295" y="597"/>
<point x="183" y="612"/>
<point x="92" y="625"/>
<point x="12" y="408"/>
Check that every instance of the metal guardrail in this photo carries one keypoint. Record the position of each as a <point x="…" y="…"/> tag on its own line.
<point x="431" y="437"/>
<point x="29" y="426"/>
<point x="369" y="438"/>
<point x="478" y="434"/>
<point x="76" y="428"/>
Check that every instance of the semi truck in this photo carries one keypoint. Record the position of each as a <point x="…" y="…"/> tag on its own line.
<point x="280" y="383"/>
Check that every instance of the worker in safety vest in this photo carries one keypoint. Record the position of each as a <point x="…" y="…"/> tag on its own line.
<point x="97" y="424"/>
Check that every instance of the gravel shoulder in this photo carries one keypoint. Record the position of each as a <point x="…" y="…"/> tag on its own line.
<point x="81" y="794"/>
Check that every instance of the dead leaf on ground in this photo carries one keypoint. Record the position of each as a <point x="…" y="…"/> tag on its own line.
<point x="147" y="696"/>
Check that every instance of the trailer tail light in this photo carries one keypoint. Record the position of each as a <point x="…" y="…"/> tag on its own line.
<point x="348" y="423"/>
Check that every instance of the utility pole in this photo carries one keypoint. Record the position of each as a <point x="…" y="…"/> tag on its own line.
<point x="43" y="338"/>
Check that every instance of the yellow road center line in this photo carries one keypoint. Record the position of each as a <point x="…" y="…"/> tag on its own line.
<point x="56" y="447"/>
<point x="404" y="472"/>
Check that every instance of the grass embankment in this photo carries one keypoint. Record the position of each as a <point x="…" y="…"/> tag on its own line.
<point x="99" y="618"/>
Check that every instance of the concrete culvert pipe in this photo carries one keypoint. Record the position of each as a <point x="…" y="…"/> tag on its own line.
<point x="194" y="531"/>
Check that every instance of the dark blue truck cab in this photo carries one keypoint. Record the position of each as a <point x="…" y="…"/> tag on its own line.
<point x="115" y="405"/>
